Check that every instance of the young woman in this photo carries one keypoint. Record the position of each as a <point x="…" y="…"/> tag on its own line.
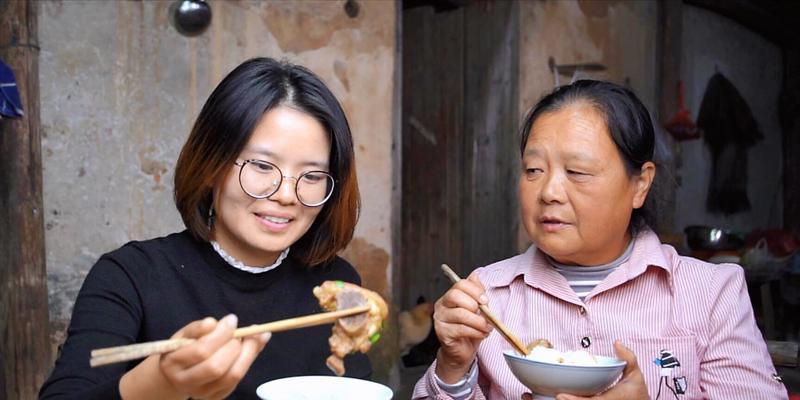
<point x="597" y="277"/>
<point x="266" y="186"/>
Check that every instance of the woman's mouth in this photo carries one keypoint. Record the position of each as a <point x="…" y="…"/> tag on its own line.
<point x="274" y="223"/>
<point x="551" y="225"/>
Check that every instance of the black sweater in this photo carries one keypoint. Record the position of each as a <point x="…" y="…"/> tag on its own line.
<point x="148" y="290"/>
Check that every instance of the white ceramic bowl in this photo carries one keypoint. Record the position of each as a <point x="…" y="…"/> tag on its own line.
<point x="322" y="388"/>
<point x="550" y="379"/>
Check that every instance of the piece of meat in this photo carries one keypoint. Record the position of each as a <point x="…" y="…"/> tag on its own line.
<point x="355" y="333"/>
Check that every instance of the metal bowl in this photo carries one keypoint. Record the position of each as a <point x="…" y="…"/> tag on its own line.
<point x="708" y="238"/>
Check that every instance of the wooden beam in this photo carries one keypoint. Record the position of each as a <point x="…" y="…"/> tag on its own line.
<point x="438" y="5"/>
<point x="789" y="112"/>
<point x="24" y="328"/>
<point x="668" y="53"/>
<point x="778" y="21"/>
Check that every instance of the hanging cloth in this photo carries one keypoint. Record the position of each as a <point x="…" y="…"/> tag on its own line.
<point x="729" y="129"/>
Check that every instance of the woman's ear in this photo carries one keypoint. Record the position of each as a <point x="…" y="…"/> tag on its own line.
<point x="642" y="183"/>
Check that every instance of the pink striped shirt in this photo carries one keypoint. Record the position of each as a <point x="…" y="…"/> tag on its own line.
<point x="656" y="300"/>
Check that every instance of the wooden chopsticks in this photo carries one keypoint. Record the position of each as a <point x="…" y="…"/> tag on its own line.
<point x="510" y="337"/>
<point x="112" y="355"/>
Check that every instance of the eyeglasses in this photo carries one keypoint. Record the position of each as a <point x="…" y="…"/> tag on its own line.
<point x="261" y="179"/>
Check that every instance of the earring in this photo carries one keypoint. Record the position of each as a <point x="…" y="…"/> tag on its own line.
<point x="210" y="219"/>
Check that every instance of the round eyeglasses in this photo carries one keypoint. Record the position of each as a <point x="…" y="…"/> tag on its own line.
<point x="261" y="179"/>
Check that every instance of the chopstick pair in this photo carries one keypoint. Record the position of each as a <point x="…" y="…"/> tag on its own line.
<point x="501" y="327"/>
<point x="110" y="355"/>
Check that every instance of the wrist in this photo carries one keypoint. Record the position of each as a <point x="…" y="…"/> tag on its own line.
<point x="147" y="381"/>
<point x="450" y="370"/>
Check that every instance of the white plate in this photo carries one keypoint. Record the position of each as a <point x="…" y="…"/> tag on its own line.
<point x="322" y="388"/>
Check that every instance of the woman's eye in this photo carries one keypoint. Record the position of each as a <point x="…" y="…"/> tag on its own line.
<point x="313" y="178"/>
<point x="533" y="172"/>
<point x="262" y="167"/>
<point x="578" y="174"/>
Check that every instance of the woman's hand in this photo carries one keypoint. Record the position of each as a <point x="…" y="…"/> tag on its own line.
<point x="209" y="368"/>
<point x="460" y="328"/>
<point x="212" y="366"/>
<point x="631" y="386"/>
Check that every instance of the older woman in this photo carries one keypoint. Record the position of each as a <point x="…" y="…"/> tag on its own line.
<point x="597" y="277"/>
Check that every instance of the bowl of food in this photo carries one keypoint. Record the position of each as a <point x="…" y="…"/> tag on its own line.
<point x="548" y="372"/>
<point x="322" y="388"/>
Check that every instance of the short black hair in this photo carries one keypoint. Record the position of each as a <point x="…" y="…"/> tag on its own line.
<point x="627" y="120"/>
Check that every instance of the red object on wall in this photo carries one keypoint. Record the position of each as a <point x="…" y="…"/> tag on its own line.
<point x="681" y="126"/>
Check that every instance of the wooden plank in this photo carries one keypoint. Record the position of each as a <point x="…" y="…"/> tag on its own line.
<point x="24" y="326"/>
<point x="491" y="62"/>
<point x="431" y="123"/>
<point x="459" y="134"/>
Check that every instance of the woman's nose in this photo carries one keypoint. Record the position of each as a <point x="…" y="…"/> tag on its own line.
<point x="553" y="189"/>
<point x="286" y="191"/>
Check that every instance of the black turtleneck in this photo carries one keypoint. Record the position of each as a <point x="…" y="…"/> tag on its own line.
<point x="148" y="290"/>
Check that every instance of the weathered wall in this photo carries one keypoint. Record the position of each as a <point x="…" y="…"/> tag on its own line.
<point x="120" y="89"/>
<point x="618" y="34"/>
<point x="754" y="65"/>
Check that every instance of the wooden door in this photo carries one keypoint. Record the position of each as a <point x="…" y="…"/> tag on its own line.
<point x="459" y="138"/>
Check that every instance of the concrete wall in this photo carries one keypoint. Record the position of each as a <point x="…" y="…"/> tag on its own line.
<point x="618" y="34"/>
<point x="120" y="89"/>
<point x="754" y="65"/>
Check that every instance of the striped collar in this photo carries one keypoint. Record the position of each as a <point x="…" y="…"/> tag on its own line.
<point x="537" y="271"/>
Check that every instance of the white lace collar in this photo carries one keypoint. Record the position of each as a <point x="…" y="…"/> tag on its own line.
<point x="241" y="266"/>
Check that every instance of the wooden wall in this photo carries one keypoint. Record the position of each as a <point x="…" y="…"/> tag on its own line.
<point x="459" y="138"/>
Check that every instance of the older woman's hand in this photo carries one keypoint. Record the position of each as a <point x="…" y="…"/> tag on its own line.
<point x="460" y="328"/>
<point x="212" y="366"/>
<point x="630" y="387"/>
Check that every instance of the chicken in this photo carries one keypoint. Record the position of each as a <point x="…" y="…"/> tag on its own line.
<point x="415" y="324"/>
